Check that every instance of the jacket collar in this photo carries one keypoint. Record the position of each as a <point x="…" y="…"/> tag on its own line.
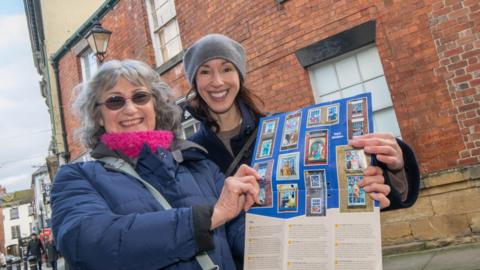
<point x="181" y="150"/>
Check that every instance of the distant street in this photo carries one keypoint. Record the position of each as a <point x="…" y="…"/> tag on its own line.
<point x="60" y="266"/>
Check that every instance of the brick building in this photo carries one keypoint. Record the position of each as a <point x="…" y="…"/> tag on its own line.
<point x="420" y="60"/>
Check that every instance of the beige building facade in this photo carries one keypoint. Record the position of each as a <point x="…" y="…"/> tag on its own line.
<point x="51" y="23"/>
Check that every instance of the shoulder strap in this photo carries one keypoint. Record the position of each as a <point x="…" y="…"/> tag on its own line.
<point x="240" y="154"/>
<point x="121" y="166"/>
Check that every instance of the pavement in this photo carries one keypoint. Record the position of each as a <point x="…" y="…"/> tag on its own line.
<point x="461" y="257"/>
<point x="60" y="266"/>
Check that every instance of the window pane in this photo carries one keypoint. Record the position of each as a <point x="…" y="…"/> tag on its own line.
<point x="370" y="64"/>
<point x="347" y="72"/>
<point x="168" y="11"/>
<point x="164" y="13"/>
<point x="159" y="55"/>
<point x="170" y="40"/>
<point x="160" y="19"/>
<point x="352" y="91"/>
<point x="386" y="121"/>
<point x="174" y="47"/>
<point x="330" y="97"/>
<point x="325" y="79"/>
<point x="13" y="213"/>
<point x="380" y="94"/>
<point x="351" y="83"/>
<point x="170" y="31"/>
<point x="15" y="231"/>
<point x="89" y="64"/>
<point x="189" y="131"/>
<point x="93" y="64"/>
<point x="158" y="3"/>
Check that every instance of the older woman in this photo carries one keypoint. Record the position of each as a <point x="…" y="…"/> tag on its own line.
<point x="108" y="218"/>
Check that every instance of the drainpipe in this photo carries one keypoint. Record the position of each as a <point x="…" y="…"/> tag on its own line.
<point x="66" y="154"/>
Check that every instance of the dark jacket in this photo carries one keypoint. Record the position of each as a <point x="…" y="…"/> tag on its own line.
<point x="51" y="250"/>
<point x="220" y="155"/>
<point x="412" y="173"/>
<point x="217" y="152"/>
<point x="35" y="248"/>
<point x="104" y="219"/>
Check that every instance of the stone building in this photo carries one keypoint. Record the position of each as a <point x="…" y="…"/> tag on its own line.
<point x="420" y="60"/>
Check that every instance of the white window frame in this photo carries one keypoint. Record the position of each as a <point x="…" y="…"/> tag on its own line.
<point x="160" y="48"/>
<point x="15" y="233"/>
<point x="320" y="97"/>
<point x="14" y="213"/>
<point x="190" y="122"/>
<point x="87" y="74"/>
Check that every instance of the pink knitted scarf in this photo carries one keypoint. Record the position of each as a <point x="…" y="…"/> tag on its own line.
<point x="131" y="143"/>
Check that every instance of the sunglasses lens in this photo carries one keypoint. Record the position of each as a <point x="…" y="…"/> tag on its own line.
<point x="141" y="98"/>
<point x="115" y="102"/>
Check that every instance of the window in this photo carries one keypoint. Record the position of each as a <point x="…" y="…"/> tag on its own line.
<point x="354" y="73"/>
<point x="164" y="29"/>
<point x="88" y="62"/>
<point x="30" y="210"/>
<point x="189" y="127"/>
<point x="16" y="232"/>
<point x="13" y="213"/>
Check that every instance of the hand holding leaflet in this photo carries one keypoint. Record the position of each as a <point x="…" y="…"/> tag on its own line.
<point x="384" y="145"/>
<point x="239" y="193"/>
<point x="374" y="184"/>
<point x="318" y="189"/>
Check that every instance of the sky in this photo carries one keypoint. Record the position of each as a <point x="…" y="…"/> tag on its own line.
<point x="25" y="129"/>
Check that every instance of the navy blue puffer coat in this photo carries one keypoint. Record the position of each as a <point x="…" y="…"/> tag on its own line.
<point x="103" y="219"/>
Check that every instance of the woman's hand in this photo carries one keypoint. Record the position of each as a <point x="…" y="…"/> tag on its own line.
<point x="384" y="146"/>
<point x="374" y="184"/>
<point x="239" y="193"/>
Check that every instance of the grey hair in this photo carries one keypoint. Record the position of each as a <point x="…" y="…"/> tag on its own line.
<point x="168" y="114"/>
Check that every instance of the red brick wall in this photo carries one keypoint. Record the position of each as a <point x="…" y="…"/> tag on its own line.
<point x="443" y="129"/>
<point x="455" y="27"/>
<point x="429" y="51"/>
<point x="128" y="22"/>
<point x="69" y="76"/>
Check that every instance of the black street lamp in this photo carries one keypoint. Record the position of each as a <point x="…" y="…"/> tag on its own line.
<point x="98" y="38"/>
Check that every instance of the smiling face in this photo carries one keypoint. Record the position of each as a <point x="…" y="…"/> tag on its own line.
<point x="131" y="117"/>
<point x="218" y="83"/>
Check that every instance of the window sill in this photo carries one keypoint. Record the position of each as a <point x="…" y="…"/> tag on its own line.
<point x="170" y="63"/>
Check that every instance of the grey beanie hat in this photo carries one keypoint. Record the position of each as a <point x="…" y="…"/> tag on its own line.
<point x="210" y="47"/>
